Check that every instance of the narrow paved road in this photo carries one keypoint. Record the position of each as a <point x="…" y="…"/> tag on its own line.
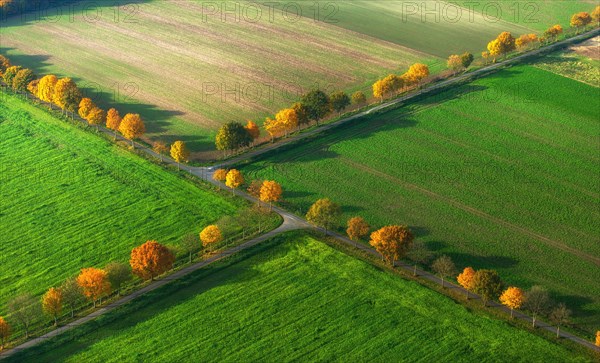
<point x="292" y="222"/>
<point x="436" y="86"/>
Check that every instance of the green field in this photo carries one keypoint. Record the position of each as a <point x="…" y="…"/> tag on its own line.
<point x="296" y="299"/>
<point x="501" y="173"/>
<point x="535" y="14"/>
<point x="70" y="200"/>
<point x="438" y="28"/>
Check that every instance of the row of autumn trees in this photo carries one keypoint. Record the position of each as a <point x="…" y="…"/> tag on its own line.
<point x="396" y="242"/>
<point x="317" y="105"/>
<point x="312" y="107"/>
<point x="506" y="42"/>
<point x="147" y="262"/>
<point x="67" y="96"/>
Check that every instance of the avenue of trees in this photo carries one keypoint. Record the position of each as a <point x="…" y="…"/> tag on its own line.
<point x="67" y="96"/>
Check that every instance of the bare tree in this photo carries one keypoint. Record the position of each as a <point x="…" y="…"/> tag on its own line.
<point x="419" y="254"/>
<point x="560" y="316"/>
<point x="72" y="294"/>
<point x="444" y="267"/>
<point x="26" y="310"/>
<point x="537" y="301"/>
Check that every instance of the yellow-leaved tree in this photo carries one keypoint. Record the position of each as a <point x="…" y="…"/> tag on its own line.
<point x="179" y="152"/>
<point x="210" y="236"/>
<point x="580" y="20"/>
<point x="418" y="72"/>
<point x="465" y="279"/>
<point x="288" y="120"/>
<point x="273" y="127"/>
<point x="46" y="88"/>
<point x="270" y="192"/>
<point x="132" y="127"/>
<point x="96" y="116"/>
<point x="513" y="298"/>
<point x="113" y="121"/>
<point x="66" y="95"/>
<point x="52" y="303"/>
<point x="86" y="105"/>
<point x="234" y="179"/>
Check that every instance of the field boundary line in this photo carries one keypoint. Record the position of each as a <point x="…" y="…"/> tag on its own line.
<point x="474" y="211"/>
<point x="255" y="154"/>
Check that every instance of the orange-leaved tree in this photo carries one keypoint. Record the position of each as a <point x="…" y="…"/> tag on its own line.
<point x="580" y="20"/>
<point x="357" y="228"/>
<point x="150" y="260"/>
<point x="96" y="116"/>
<point x="513" y="298"/>
<point x="132" y="127"/>
<point x="94" y="283"/>
<point x="270" y="192"/>
<point x="210" y="235"/>
<point x="598" y="338"/>
<point x="52" y="303"/>
<point x="4" y="332"/>
<point x="234" y="179"/>
<point x="220" y="175"/>
<point x="392" y="242"/>
<point x="553" y="32"/>
<point x="179" y="152"/>
<point x="465" y="279"/>
<point x="113" y="121"/>
<point x="253" y="130"/>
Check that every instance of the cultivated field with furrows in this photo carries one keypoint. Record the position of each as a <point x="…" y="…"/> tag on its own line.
<point x="187" y="76"/>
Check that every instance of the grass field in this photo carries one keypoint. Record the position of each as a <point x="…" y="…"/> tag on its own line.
<point x="501" y="173"/>
<point x="535" y="14"/>
<point x="297" y="299"/>
<point x="71" y="200"/>
<point x="435" y="27"/>
<point x="580" y="62"/>
<point x="188" y="75"/>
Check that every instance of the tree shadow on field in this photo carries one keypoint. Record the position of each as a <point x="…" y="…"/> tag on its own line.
<point x="54" y="11"/>
<point x="575" y="303"/>
<point x="37" y="63"/>
<point x="478" y="262"/>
